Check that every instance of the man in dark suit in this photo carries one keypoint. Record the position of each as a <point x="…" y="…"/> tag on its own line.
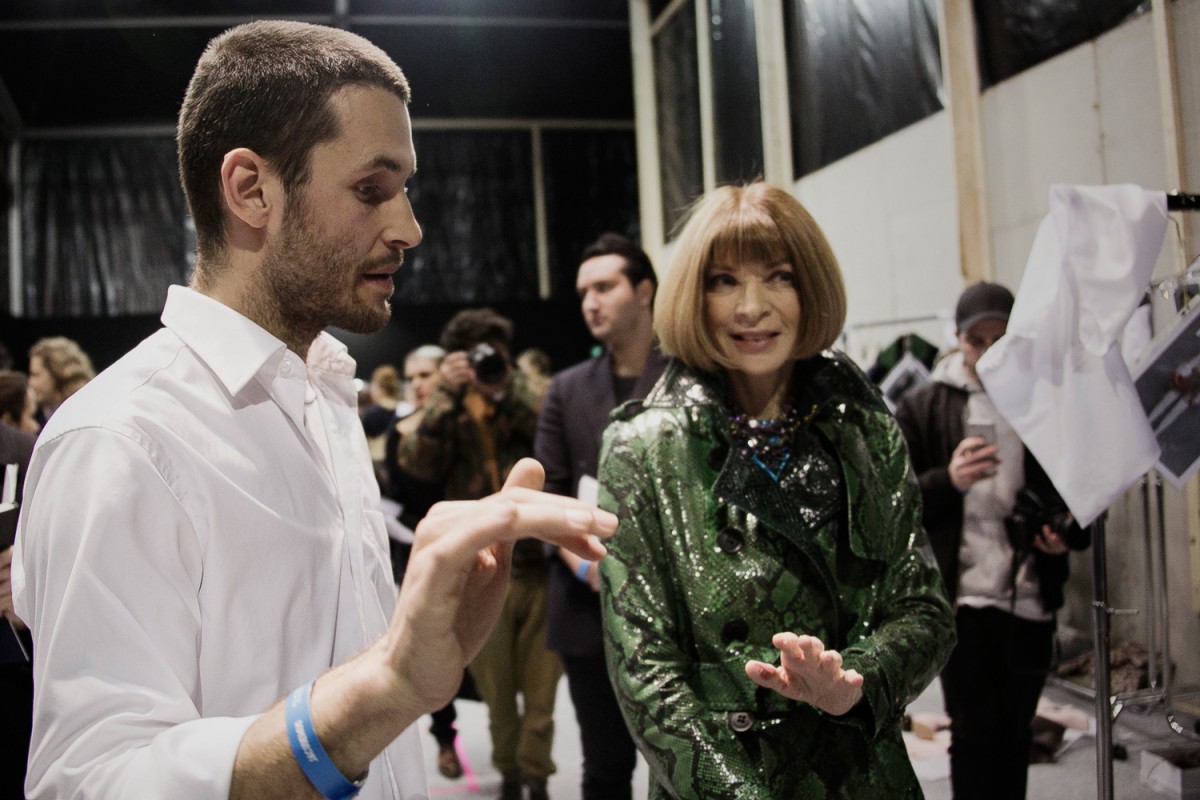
<point x="616" y="285"/>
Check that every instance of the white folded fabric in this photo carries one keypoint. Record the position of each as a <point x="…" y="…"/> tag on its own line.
<point x="1057" y="375"/>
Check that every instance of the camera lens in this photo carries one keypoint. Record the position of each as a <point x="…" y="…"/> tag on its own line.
<point x="490" y="367"/>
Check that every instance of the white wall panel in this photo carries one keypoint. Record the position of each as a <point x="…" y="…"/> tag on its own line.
<point x="889" y="213"/>
<point x="1040" y="128"/>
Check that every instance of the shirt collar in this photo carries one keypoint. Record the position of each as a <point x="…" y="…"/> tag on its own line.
<point x="238" y="350"/>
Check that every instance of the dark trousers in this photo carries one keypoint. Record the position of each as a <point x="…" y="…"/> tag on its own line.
<point x="443" y="729"/>
<point x="517" y="677"/>
<point x="991" y="686"/>
<point x="16" y="723"/>
<point x="609" y="755"/>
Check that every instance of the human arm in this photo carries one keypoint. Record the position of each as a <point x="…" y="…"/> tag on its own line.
<point x="947" y="462"/>
<point x="902" y="625"/>
<point x="452" y="593"/>
<point x="116" y="580"/>
<point x="107" y="573"/>
<point x="676" y="701"/>
<point x="6" y="601"/>
<point x="809" y="673"/>
<point x="972" y="461"/>
<point x="427" y="442"/>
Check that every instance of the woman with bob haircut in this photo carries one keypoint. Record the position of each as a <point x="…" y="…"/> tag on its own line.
<point x="771" y="604"/>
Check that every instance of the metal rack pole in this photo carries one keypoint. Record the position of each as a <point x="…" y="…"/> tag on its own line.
<point x="1100" y="621"/>
<point x="1151" y="601"/>
<point x="1164" y="628"/>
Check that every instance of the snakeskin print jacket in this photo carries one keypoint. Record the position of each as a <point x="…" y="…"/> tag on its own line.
<point x="713" y="556"/>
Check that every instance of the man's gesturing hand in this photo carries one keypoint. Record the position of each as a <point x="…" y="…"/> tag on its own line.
<point x="457" y="575"/>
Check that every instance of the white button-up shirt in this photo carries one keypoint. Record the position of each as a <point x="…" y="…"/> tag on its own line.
<point x="185" y="558"/>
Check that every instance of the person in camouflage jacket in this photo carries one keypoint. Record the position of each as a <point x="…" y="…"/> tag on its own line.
<point x="728" y="557"/>
<point x="471" y="434"/>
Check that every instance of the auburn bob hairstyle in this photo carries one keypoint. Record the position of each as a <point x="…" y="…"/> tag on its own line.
<point x="754" y="223"/>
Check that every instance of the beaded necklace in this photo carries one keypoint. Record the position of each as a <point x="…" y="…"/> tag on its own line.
<point x="766" y="442"/>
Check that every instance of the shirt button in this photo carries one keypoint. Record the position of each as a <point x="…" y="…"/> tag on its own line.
<point x="286" y="367"/>
<point x="741" y="721"/>
<point x="729" y="540"/>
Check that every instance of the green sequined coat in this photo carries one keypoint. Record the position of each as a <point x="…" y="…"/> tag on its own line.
<point x="712" y="557"/>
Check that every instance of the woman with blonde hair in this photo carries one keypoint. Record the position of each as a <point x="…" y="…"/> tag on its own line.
<point x="58" y="368"/>
<point x="771" y="604"/>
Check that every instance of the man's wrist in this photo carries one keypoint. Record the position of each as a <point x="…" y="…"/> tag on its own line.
<point x="310" y="754"/>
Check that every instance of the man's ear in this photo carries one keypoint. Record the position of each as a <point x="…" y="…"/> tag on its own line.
<point x="248" y="186"/>
<point x="645" y="292"/>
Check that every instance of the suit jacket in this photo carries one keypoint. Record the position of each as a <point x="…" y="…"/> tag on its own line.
<point x="16" y="447"/>
<point x="574" y="414"/>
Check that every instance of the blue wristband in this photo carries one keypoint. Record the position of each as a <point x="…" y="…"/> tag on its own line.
<point x="582" y="569"/>
<point x="310" y="755"/>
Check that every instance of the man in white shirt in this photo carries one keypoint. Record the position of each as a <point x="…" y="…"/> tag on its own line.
<point x="201" y="534"/>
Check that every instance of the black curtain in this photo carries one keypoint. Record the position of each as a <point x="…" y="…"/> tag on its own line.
<point x="104" y="226"/>
<point x="737" y="106"/>
<point x="857" y="73"/>
<point x="473" y="195"/>
<point x="677" y="89"/>
<point x="591" y="187"/>
<point x="1018" y="34"/>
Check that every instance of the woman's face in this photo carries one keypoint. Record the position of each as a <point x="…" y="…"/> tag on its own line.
<point x="752" y="311"/>
<point x="422" y="376"/>
<point x="41" y="382"/>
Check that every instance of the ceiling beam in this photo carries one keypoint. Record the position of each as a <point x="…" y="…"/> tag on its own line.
<point x="364" y="20"/>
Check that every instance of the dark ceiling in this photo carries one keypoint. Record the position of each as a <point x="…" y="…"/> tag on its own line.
<point x="71" y="64"/>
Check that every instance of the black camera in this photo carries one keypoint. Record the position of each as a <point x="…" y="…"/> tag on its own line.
<point x="490" y="366"/>
<point x="1029" y="513"/>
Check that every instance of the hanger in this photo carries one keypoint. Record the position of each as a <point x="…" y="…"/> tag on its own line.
<point x="1181" y="201"/>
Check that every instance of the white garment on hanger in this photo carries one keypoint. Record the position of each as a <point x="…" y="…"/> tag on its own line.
<point x="1058" y="376"/>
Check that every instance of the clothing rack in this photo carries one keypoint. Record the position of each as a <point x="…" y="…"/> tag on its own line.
<point x="943" y="317"/>
<point x="1181" y="201"/>
<point x="1106" y="706"/>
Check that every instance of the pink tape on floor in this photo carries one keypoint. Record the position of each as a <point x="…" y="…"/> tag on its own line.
<point x="468" y="773"/>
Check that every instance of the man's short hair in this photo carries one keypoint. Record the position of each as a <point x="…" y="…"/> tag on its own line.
<point x="474" y="325"/>
<point x="752" y="223"/>
<point x="266" y="86"/>
<point x="637" y="264"/>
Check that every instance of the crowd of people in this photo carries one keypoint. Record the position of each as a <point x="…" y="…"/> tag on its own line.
<point x="58" y="367"/>
<point x="745" y="566"/>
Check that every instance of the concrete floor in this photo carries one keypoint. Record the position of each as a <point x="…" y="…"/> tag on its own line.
<point x="1072" y="776"/>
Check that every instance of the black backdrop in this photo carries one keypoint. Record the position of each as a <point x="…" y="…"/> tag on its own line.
<point x="555" y="326"/>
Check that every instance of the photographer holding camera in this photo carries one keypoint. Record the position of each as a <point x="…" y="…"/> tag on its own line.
<point x="477" y="424"/>
<point x="1001" y="534"/>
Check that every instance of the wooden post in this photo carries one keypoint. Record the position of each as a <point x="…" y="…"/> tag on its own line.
<point x="960" y="77"/>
